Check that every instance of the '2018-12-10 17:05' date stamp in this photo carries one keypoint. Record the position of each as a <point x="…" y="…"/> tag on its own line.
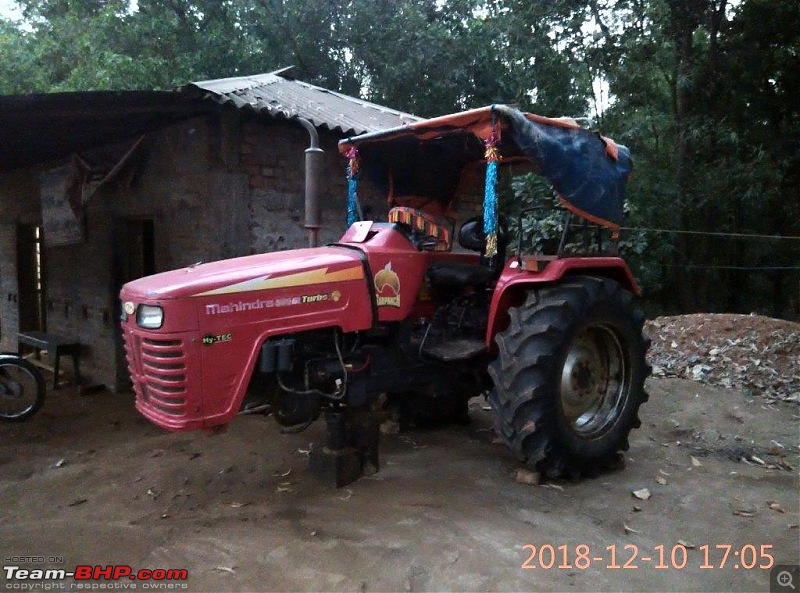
<point x="660" y="557"/>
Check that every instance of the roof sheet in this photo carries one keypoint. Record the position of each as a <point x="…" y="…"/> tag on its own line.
<point x="39" y="128"/>
<point x="277" y="94"/>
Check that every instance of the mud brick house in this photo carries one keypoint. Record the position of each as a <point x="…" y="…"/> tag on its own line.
<point x="98" y="188"/>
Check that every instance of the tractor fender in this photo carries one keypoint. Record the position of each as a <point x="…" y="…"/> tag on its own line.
<point x="237" y="383"/>
<point x="519" y="277"/>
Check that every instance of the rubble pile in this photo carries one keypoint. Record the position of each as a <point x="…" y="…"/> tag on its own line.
<point x="757" y="355"/>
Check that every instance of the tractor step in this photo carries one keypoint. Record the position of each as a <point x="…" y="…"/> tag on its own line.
<point x="452" y="350"/>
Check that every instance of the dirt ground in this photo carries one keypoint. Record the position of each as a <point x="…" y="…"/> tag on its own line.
<point x="90" y="481"/>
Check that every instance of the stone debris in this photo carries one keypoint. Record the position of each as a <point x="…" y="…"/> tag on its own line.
<point x="757" y="355"/>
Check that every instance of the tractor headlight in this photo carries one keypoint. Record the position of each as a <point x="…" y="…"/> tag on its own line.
<point x="128" y="308"/>
<point x="149" y="316"/>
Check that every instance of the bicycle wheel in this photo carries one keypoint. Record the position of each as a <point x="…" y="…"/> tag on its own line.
<point x="22" y="389"/>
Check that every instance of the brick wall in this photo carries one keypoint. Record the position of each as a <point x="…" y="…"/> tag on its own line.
<point x="273" y="156"/>
<point x="19" y="205"/>
<point x="215" y="187"/>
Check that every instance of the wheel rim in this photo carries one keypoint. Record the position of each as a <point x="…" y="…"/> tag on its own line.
<point x="19" y="391"/>
<point x="594" y="382"/>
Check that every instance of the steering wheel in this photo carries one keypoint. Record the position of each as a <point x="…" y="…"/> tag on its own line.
<point x="427" y="233"/>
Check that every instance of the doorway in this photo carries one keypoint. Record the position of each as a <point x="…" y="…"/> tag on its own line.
<point x="139" y="250"/>
<point x="31" y="285"/>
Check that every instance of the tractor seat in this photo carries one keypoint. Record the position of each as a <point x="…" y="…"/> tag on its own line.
<point x="459" y="274"/>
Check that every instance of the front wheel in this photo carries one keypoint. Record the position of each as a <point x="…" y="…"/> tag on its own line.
<point x="569" y="377"/>
<point x="22" y="389"/>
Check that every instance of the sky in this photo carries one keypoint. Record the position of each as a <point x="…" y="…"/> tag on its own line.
<point x="9" y="10"/>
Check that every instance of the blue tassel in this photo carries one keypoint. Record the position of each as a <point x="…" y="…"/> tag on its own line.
<point x="490" y="209"/>
<point x="352" y="187"/>
<point x="352" y="210"/>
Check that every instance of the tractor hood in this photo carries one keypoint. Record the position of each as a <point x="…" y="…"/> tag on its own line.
<point x="283" y="269"/>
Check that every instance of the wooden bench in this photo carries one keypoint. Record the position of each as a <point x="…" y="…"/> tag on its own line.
<point x="57" y="346"/>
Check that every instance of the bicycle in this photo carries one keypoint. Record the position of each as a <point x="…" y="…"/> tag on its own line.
<point x="22" y="388"/>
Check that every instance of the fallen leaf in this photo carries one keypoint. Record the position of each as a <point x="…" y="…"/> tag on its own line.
<point x="75" y="503"/>
<point x="661" y="480"/>
<point x="757" y="460"/>
<point x="637" y="508"/>
<point x="282" y="489"/>
<point x="775" y="506"/>
<point x="227" y="569"/>
<point x="526" y="476"/>
<point x="348" y="496"/>
<point x="695" y="461"/>
<point x="663" y="473"/>
<point x="60" y="463"/>
<point x="553" y="487"/>
<point x="238" y="505"/>
<point x="744" y="512"/>
<point x="686" y="544"/>
<point x="630" y="529"/>
<point x="642" y="494"/>
<point x="775" y="448"/>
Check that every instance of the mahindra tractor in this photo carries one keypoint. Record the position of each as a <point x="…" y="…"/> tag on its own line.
<point x="422" y="311"/>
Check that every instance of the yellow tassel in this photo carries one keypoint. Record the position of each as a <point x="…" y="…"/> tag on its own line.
<point x="492" y="154"/>
<point x="491" y="245"/>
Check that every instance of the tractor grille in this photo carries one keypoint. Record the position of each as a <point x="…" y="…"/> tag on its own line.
<point x="160" y="366"/>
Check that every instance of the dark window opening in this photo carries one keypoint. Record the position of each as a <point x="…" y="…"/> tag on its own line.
<point x="31" y="283"/>
<point x="140" y="249"/>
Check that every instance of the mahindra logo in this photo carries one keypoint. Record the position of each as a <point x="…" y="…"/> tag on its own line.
<point x="218" y="309"/>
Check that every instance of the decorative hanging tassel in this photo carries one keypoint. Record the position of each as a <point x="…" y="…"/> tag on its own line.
<point x="492" y="157"/>
<point x="352" y="186"/>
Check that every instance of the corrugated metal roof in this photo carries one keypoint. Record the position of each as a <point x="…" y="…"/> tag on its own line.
<point x="44" y="127"/>
<point x="277" y="94"/>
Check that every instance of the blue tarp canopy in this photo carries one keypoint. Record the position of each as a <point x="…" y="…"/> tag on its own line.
<point x="425" y="160"/>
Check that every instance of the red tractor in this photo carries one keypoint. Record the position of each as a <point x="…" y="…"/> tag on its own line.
<point x="392" y="311"/>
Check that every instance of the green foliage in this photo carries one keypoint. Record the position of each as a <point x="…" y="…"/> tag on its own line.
<point x="543" y="226"/>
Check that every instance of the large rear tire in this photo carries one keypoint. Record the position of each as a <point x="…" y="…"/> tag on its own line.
<point x="569" y="377"/>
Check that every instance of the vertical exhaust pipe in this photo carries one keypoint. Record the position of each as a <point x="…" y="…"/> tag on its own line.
<point x="313" y="219"/>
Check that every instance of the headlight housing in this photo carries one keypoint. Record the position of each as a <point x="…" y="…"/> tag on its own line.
<point x="149" y="316"/>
